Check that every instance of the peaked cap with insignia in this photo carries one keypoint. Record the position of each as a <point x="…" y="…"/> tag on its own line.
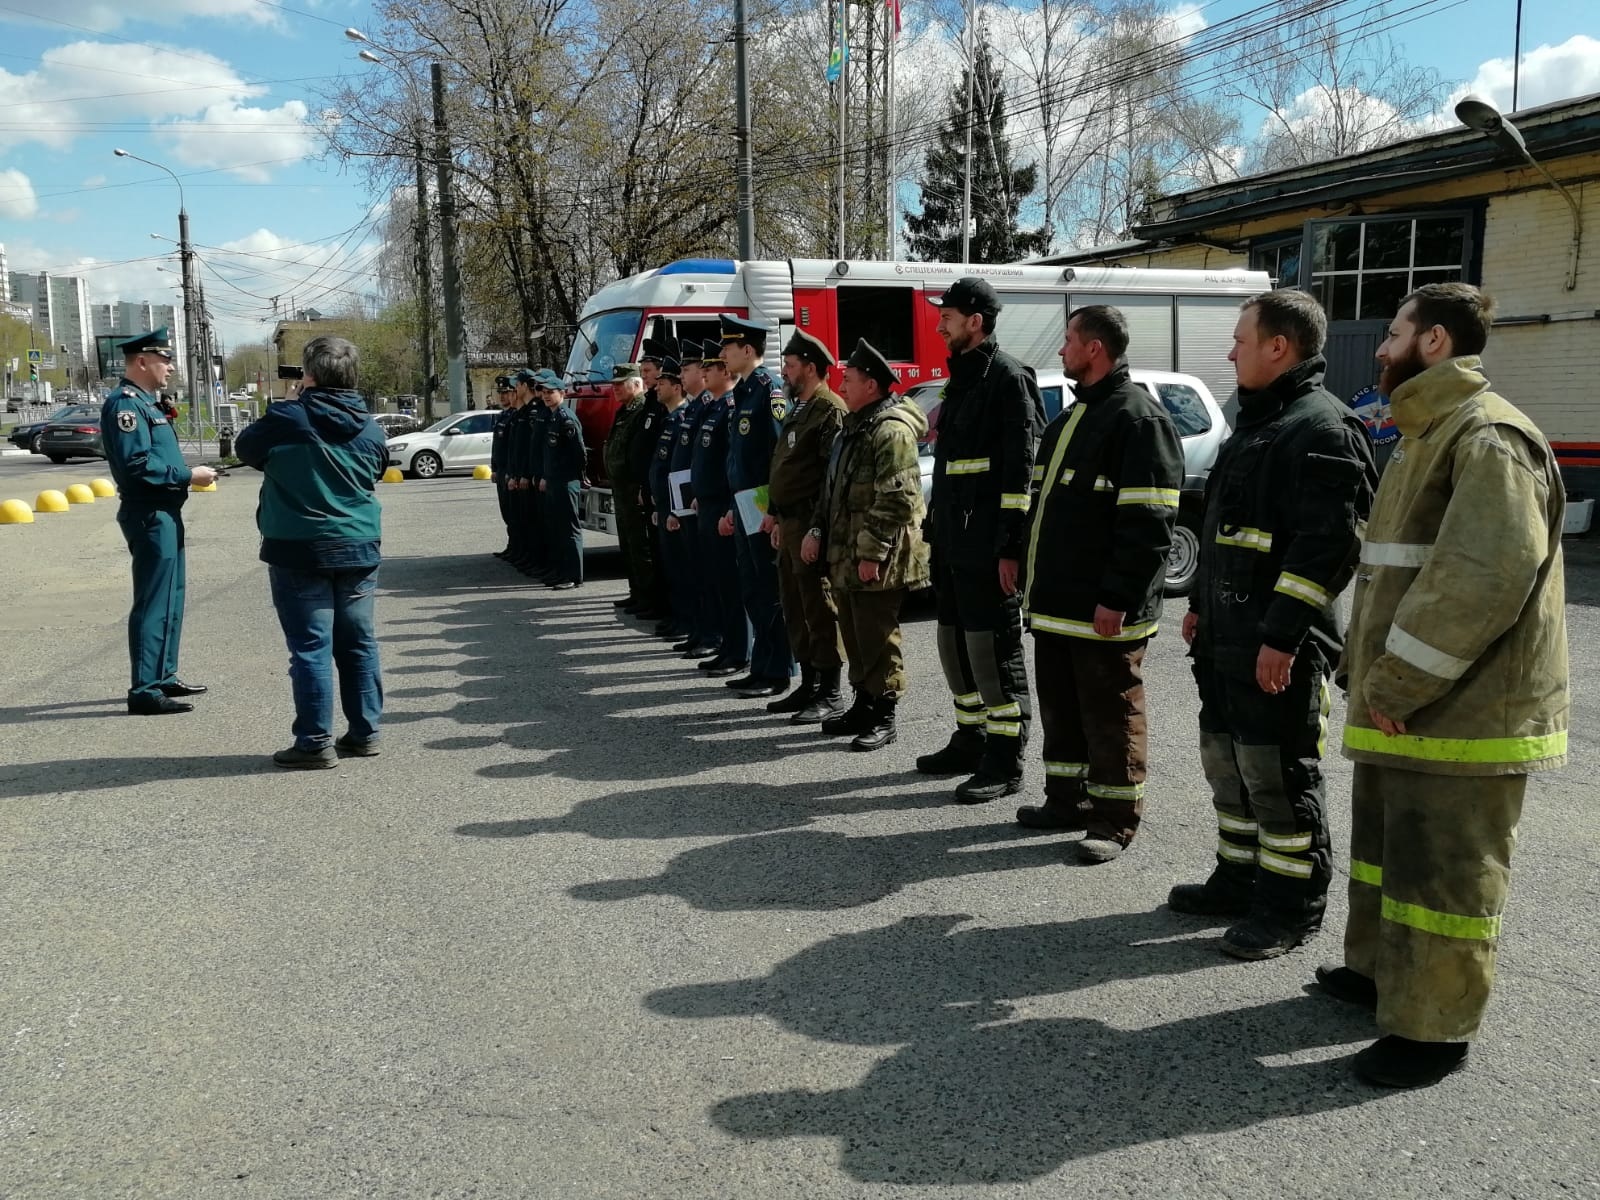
<point x="865" y="358"/>
<point x="157" y="341"/>
<point x="809" y="349"/>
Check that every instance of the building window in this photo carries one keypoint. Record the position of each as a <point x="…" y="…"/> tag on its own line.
<point x="1281" y="260"/>
<point x="881" y="315"/>
<point x="1361" y="269"/>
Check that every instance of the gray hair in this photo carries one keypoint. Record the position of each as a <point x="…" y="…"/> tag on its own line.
<point x="332" y="361"/>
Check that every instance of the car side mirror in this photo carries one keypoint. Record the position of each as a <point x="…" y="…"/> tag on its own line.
<point x="452" y="431"/>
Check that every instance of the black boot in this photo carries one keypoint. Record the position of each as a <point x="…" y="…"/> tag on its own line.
<point x="826" y="699"/>
<point x="1283" y="913"/>
<point x="880" y="729"/>
<point x="855" y="719"/>
<point x="999" y="772"/>
<point x="1060" y="813"/>
<point x="1351" y="986"/>
<point x="961" y="755"/>
<point x="1261" y="936"/>
<point x="1226" y="894"/>
<point x="1399" y="1062"/>
<point x="801" y="696"/>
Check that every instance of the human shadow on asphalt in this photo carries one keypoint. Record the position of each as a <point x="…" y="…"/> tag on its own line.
<point x="68" y="710"/>
<point x="101" y="774"/>
<point x="811" y="870"/>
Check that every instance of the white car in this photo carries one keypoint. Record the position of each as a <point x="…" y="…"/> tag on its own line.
<point x="458" y="442"/>
<point x="1193" y="410"/>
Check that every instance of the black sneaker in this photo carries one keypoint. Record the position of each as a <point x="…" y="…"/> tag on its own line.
<point x="1397" y="1062"/>
<point x="349" y="747"/>
<point x="307" y="760"/>
<point x="1350" y="986"/>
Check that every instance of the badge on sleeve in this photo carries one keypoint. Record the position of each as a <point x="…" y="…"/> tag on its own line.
<point x="780" y="408"/>
<point x="127" y="421"/>
<point x="744" y="426"/>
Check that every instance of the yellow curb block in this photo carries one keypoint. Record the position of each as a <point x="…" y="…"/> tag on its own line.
<point x="50" y="501"/>
<point x="195" y="487"/>
<point x="482" y="472"/>
<point x="15" y="512"/>
<point x="80" y="493"/>
<point x="392" y="475"/>
<point x="102" y="488"/>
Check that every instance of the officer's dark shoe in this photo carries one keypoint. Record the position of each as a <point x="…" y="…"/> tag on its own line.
<point x="1397" y="1062"/>
<point x="1256" y="938"/>
<point x="801" y="697"/>
<point x="880" y="731"/>
<point x="826" y="701"/>
<point x="665" y="628"/>
<point x="987" y="785"/>
<point x="307" y="760"/>
<point x="179" y="688"/>
<point x="1209" y="899"/>
<point x="1098" y="848"/>
<point x="687" y="644"/>
<point x="1352" y="987"/>
<point x="157" y="706"/>
<point x="625" y="602"/>
<point x="563" y="585"/>
<point x="1055" y="815"/>
<point x="962" y="754"/>
<point x="855" y="719"/>
<point x="772" y="685"/>
<point x="748" y="679"/>
<point x="349" y="747"/>
<point x="702" y="651"/>
<point x="727" y="668"/>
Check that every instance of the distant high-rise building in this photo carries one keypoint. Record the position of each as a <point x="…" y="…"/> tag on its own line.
<point x="125" y="318"/>
<point x="60" y="305"/>
<point x="5" y="278"/>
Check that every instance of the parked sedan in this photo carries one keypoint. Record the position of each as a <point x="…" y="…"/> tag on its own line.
<point x="396" y="424"/>
<point x="75" y="438"/>
<point x="458" y="442"/>
<point x="1200" y="425"/>
<point x="30" y="436"/>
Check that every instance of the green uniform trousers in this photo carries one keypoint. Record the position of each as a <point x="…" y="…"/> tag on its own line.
<point x="155" y="622"/>
<point x="635" y="535"/>
<point x="809" y="612"/>
<point x="870" y="624"/>
<point x="1430" y="860"/>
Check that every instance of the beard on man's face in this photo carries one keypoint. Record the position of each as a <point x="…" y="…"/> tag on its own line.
<point x="1400" y="370"/>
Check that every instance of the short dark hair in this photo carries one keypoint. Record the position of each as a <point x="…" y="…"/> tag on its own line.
<point x="1461" y="310"/>
<point x="1103" y="324"/>
<point x="1293" y="315"/>
<point x="331" y="361"/>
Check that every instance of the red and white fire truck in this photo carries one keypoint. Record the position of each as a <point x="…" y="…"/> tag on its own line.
<point x="1178" y="321"/>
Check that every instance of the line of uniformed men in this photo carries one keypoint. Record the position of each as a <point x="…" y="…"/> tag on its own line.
<point x="537" y="460"/>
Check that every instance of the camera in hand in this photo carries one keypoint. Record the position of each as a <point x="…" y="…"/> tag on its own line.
<point x="288" y="372"/>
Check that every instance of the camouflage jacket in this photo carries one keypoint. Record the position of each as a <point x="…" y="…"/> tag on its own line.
<point x="871" y="507"/>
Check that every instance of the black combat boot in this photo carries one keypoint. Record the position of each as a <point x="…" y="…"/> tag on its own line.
<point x="999" y="772"/>
<point x="801" y="696"/>
<point x="855" y="719"/>
<point x="1283" y="913"/>
<point x="826" y="701"/>
<point x="1061" y="812"/>
<point x="880" y="725"/>
<point x="962" y="754"/>
<point x="1226" y="894"/>
<point x="1400" y="1062"/>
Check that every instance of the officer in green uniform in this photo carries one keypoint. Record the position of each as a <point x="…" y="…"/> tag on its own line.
<point x="153" y="480"/>
<point x="560" y="465"/>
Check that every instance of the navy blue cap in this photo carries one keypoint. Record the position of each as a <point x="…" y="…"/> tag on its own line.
<point x="502" y="383"/>
<point x="651" y="351"/>
<point x="156" y="341"/>
<point x="740" y="329"/>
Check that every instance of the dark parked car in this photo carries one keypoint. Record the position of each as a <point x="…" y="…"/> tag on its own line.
<point x="75" y="438"/>
<point x="28" y="437"/>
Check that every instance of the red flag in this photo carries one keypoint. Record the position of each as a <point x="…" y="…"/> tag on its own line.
<point x="894" y="7"/>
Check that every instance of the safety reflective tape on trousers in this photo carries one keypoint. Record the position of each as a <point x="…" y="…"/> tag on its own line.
<point x="1245" y="538"/>
<point x="1394" y="554"/>
<point x="1066" y="770"/>
<point x="1116" y="791"/>
<point x="1291" y="842"/>
<point x="966" y="466"/>
<point x="1154" y="497"/>
<point x="1365" y="872"/>
<point x="1085" y="629"/>
<point x="1003" y="728"/>
<point x="1232" y="824"/>
<point x="1294" y="868"/>
<point x="970" y="700"/>
<point x="1453" y="925"/>
<point x="963" y="717"/>
<point x="1302" y="588"/>
<point x="1000" y="712"/>
<point x="1228" y="852"/>
<point x="1456" y="750"/>
<point x="1418" y="653"/>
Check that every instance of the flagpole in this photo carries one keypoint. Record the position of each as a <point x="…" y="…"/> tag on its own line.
<point x="844" y="105"/>
<point x="889" y="133"/>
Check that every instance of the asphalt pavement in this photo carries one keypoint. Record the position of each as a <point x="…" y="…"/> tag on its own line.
<point x="591" y="927"/>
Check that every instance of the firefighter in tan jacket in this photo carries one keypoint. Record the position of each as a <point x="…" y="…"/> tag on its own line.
<point x="1457" y="668"/>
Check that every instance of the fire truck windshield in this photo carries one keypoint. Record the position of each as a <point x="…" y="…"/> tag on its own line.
<point x="603" y="341"/>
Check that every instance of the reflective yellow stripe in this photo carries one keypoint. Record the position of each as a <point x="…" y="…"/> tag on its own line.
<point x="963" y="717"/>
<point x="1394" y="554"/>
<point x="1278" y="841"/>
<point x="1066" y="770"/>
<point x="1322" y="719"/>
<point x="1418" y="653"/>
<point x="1294" y="868"/>
<point x="1303" y="589"/>
<point x="1237" y="854"/>
<point x="1102" y="484"/>
<point x="1365" y="872"/>
<point x="1014" y="709"/>
<point x="1236" y="824"/>
<point x="1038" y="474"/>
<point x="1156" y="497"/>
<point x="966" y="466"/>
<point x="1457" y="750"/>
<point x="1246" y="539"/>
<point x="1049" y="481"/>
<point x="1017" y="500"/>
<point x="1085" y="629"/>
<point x="1477" y="929"/>
<point x="1116" y="791"/>
<point x="1003" y="728"/>
<point x="970" y="700"/>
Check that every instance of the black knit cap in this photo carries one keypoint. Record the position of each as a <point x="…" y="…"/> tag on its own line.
<point x="971" y="295"/>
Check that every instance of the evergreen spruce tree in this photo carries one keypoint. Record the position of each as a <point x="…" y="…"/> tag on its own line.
<point x="999" y="185"/>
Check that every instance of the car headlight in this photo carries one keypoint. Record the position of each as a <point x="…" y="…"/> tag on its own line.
<point x="397" y="445"/>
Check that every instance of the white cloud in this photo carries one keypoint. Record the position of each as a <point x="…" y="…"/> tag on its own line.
<point x="1549" y="73"/>
<point x="17" y="201"/>
<point x="103" y="15"/>
<point x="246" y="141"/>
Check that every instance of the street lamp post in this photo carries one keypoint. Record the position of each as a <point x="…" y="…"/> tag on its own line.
<point x="186" y="259"/>
<point x="1478" y="114"/>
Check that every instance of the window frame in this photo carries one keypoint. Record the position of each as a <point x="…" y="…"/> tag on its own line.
<point x="848" y="338"/>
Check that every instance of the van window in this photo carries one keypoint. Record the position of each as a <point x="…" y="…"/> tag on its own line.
<point x="881" y="315"/>
<point x="1052" y="402"/>
<point x="1184" y="406"/>
<point x="698" y="330"/>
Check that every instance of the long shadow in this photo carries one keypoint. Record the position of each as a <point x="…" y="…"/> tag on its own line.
<point x="98" y="774"/>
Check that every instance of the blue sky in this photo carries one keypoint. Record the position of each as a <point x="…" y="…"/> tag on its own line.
<point x="225" y="93"/>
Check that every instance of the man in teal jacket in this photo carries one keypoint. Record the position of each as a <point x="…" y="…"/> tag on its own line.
<point x="321" y="536"/>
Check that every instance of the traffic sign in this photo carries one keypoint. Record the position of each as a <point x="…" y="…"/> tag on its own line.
<point x="35" y="355"/>
<point x="48" y="362"/>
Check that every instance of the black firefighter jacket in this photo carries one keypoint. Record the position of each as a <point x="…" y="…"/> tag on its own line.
<point x="989" y="426"/>
<point x="1285" y="505"/>
<point x="1105" y="496"/>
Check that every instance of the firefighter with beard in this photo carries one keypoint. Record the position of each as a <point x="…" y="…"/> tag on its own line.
<point x="1281" y="529"/>
<point x="989" y="424"/>
<point x="1457" y="669"/>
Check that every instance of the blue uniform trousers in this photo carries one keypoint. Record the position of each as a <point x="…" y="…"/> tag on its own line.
<point x="720" y="575"/>
<point x="155" y="623"/>
<point x="770" y="656"/>
<point x="535" y="527"/>
<point x="703" y="626"/>
<point x="561" y="504"/>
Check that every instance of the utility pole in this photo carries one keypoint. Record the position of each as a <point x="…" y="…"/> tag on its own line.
<point x="891" y="16"/>
<point x="966" y="177"/>
<point x="454" y="326"/>
<point x="191" y="322"/>
<point x="424" y="280"/>
<point x="744" y="169"/>
<point x="844" y="120"/>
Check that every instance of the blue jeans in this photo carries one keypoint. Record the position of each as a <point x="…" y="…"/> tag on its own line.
<point x="327" y="621"/>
